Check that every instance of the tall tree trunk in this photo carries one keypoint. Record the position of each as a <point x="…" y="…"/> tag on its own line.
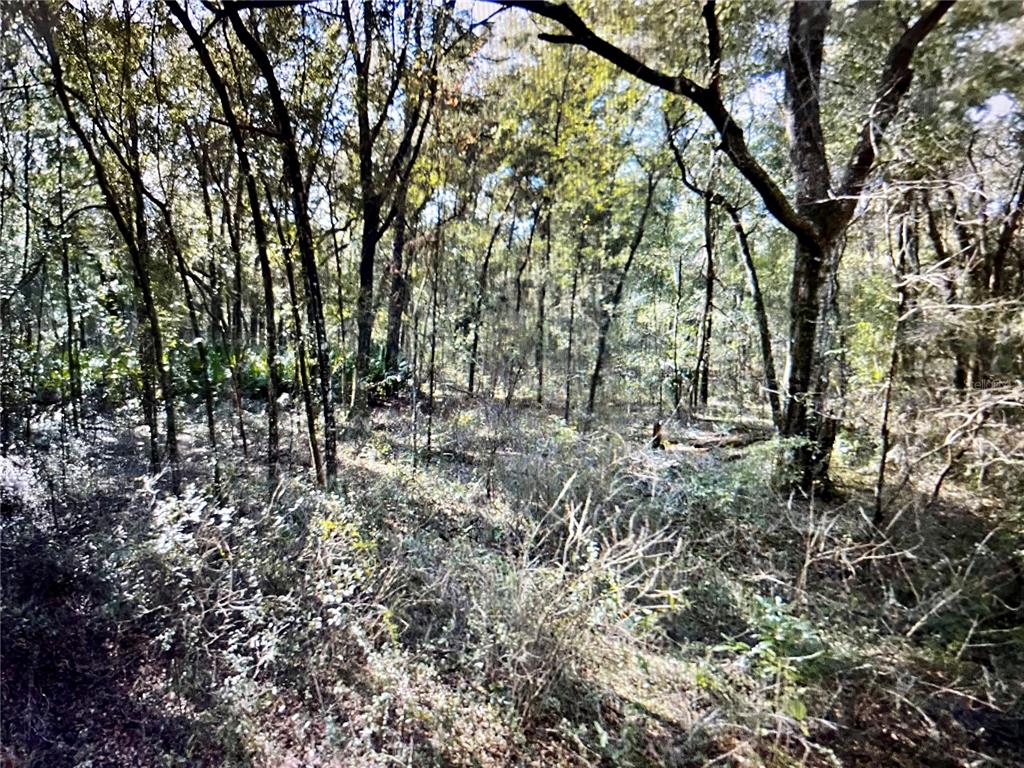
<point x="293" y="176"/>
<point x="299" y="337"/>
<point x="218" y="326"/>
<point x="197" y="338"/>
<point x="542" y="292"/>
<point x="163" y="371"/>
<point x="678" y="376"/>
<point x="336" y="250"/>
<point x="611" y="305"/>
<point x="807" y="25"/>
<point x="435" y="272"/>
<point x="481" y="293"/>
<point x="577" y="263"/>
<point x="526" y="259"/>
<point x="699" y="395"/>
<point x="6" y="347"/>
<point x="235" y="236"/>
<point x="955" y="343"/>
<point x="259" y="229"/>
<point x="371" y="209"/>
<point x="899" y="270"/>
<point x="754" y="285"/>
<point x="70" y="346"/>
<point x="771" y="382"/>
<point x="398" y="294"/>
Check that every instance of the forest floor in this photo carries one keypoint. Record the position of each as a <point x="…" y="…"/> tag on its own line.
<point x="526" y="594"/>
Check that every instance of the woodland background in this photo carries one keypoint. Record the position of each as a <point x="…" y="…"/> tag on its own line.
<point x="431" y="383"/>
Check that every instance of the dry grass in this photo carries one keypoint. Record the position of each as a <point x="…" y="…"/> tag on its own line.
<point x="525" y="594"/>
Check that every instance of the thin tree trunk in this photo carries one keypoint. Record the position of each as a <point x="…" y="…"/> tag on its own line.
<point x="216" y="307"/>
<point x="200" y="343"/>
<point x="163" y="371"/>
<point x="677" y="373"/>
<point x="398" y="294"/>
<point x="611" y="305"/>
<point x="435" y="270"/>
<point x="894" y="359"/>
<point x="526" y="259"/>
<point x="414" y="395"/>
<point x="70" y="347"/>
<point x="234" y="234"/>
<point x="300" y="348"/>
<point x="336" y="249"/>
<point x="771" y="382"/>
<point x="5" y="399"/>
<point x="481" y="294"/>
<point x="259" y="230"/>
<point x="567" y="406"/>
<point x="955" y="343"/>
<point x="701" y="368"/>
<point x="293" y="176"/>
<point x="542" y="292"/>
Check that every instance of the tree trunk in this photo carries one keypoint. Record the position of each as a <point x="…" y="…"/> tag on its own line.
<point x="899" y="269"/>
<point x="197" y="338"/>
<point x="142" y="260"/>
<point x="771" y="382"/>
<point x="699" y="395"/>
<point x="218" y="330"/>
<point x="70" y="347"/>
<point x="259" y="230"/>
<point x="567" y="407"/>
<point x="340" y="297"/>
<point x="435" y="270"/>
<point x="371" y="210"/>
<point x="610" y="306"/>
<point x="481" y="294"/>
<point x="293" y="176"/>
<point x="956" y="347"/>
<point x="542" y="292"/>
<point x="526" y="259"/>
<point x="302" y="366"/>
<point x="398" y="295"/>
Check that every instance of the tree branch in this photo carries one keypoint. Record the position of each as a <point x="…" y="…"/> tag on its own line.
<point x="892" y="86"/>
<point x="734" y="142"/>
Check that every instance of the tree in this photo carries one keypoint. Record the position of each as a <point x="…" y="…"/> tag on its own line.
<point x="821" y="207"/>
<point x="127" y="208"/>
<point x="409" y="54"/>
<point x="259" y="228"/>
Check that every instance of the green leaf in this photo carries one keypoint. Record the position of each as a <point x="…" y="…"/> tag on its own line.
<point x="796" y="709"/>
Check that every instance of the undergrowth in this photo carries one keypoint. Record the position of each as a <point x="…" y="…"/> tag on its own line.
<point x="524" y="594"/>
